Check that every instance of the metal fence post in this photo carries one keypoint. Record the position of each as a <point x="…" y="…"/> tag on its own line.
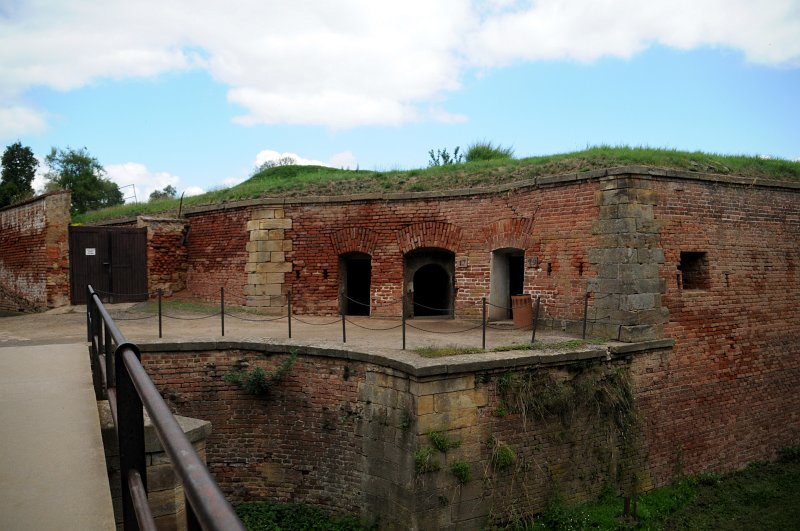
<point x="535" y="319"/>
<point x="483" y="323"/>
<point x="585" y="313"/>
<point x="130" y="433"/>
<point x="344" y="329"/>
<point x="222" y="309"/>
<point x="403" y="319"/>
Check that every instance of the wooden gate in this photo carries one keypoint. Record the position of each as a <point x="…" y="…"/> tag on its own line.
<point x="113" y="260"/>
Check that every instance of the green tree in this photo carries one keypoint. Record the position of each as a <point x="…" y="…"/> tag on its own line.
<point x="82" y="174"/>
<point x="19" y="168"/>
<point x="169" y="192"/>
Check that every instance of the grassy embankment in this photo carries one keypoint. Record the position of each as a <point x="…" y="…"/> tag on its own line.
<point x="294" y="181"/>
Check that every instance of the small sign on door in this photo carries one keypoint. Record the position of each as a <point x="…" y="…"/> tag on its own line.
<point x="90" y="251"/>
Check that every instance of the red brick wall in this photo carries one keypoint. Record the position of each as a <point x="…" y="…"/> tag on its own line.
<point x="34" y="253"/>
<point x="303" y="441"/>
<point x="728" y="394"/>
<point x="167" y="254"/>
<point x="553" y="224"/>
<point x="217" y="255"/>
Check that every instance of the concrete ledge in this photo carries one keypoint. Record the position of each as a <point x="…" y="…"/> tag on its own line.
<point x="408" y="361"/>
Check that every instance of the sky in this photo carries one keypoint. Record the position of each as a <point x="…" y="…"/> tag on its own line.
<point x="195" y="94"/>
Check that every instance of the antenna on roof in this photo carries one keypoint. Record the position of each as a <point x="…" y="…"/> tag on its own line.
<point x="133" y="186"/>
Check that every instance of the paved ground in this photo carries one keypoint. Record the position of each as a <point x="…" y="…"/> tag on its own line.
<point x="52" y="468"/>
<point x="69" y="325"/>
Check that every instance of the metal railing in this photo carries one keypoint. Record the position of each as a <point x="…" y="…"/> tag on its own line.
<point x="118" y="375"/>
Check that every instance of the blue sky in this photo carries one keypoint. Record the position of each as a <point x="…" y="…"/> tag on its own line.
<point x="194" y="95"/>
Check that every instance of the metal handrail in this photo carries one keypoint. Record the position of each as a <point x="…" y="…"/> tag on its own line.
<point x="119" y="376"/>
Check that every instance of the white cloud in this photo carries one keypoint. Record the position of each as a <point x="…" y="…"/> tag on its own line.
<point x="345" y="159"/>
<point x="765" y="31"/>
<point x="356" y="62"/>
<point x="137" y="178"/>
<point x="19" y="120"/>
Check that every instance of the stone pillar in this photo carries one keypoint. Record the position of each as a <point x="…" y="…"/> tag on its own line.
<point x="266" y="263"/>
<point x="165" y="492"/>
<point x="627" y="289"/>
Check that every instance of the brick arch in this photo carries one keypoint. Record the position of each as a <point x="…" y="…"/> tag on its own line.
<point x="430" y="234"/>
<point x="354" y="239"/>
<point x="510" y="232"/>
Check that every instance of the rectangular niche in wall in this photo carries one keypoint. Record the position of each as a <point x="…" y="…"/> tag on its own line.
<point x="694" y="270"/>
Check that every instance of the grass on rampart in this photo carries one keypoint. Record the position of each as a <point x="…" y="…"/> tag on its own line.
<point x="297" y="181"/>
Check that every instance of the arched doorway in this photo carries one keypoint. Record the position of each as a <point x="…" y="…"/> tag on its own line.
<point x="507" y="279"/>
<point x="429" y="282"/>
<point x="355" y="280"/>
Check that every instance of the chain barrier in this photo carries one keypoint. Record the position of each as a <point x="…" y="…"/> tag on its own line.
<point x="265" y="320"/>
<point x="395" y="327"/>
<point x="438" y="332"/>
<point x="295" y="318"/>
<point x="481" y="323"/>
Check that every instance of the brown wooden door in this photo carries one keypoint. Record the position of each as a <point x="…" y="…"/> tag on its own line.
<point x="112" y="260"/>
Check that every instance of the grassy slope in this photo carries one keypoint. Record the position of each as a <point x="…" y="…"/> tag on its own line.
<point x="293" y="181"/>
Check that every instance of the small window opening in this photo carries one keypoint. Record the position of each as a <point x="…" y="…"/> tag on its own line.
<point x="549" y="269"/>
<point x="297" y="274"/>
<point x="325" y="274"/>
<point x="694" y="270"/>
<point x="580" y="269"/>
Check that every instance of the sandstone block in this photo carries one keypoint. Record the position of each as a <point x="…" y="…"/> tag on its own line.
<point x="283" y="223"/>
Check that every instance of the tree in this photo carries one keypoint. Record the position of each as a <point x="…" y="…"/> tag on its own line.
<point x="169" y="192"/>
<point x="19" y="168"/>
<point x="286" y="160"/>
<point x="82" y="174"/>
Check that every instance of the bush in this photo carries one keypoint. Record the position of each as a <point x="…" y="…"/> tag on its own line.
<point x="488" y="151"/>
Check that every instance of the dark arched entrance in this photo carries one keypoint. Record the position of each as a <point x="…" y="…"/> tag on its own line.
<point x="355" y="279"/>
<point x="430" y="289"/>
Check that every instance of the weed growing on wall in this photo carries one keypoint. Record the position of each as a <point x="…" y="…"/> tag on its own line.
<point x="442" y="442"/>
<point x="461" y="470"/>
<point x="425" y="461"/>
<point x="602" y="397"/>
<point x="258" y="381"/>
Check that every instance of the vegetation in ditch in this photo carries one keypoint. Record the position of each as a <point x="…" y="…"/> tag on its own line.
<point x="303" y="181"/>
<point x="257" y="381"/>
<point x="269" y="516"/>
<point x="760" y="496"/>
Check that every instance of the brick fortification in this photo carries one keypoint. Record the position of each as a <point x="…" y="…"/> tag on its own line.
<point x="34" y="253"/>
<point x="707" y="264"/>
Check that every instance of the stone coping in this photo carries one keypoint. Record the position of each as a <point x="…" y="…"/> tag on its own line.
<point x="194" y="429"/>
<point x="408" y="361"/>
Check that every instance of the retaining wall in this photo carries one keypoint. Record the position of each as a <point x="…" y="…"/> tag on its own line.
<point x="344" y="430"/>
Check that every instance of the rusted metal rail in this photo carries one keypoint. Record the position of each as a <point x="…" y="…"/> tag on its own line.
<point x="118" y="375"/>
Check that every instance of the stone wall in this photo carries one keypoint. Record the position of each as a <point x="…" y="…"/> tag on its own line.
<point x="164" y="488"/>
<point x="34" y="253"/>
<point x="344" y="430"/>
